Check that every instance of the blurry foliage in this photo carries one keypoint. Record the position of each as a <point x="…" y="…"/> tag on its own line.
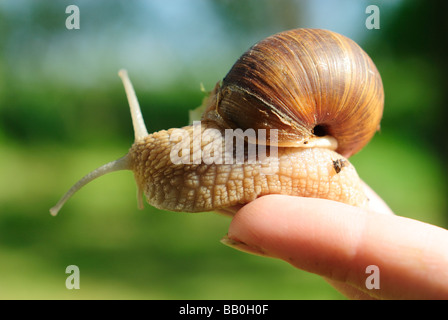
<point x="54" y="128"/>
<point x="412" y="57"/>
<point x="265" y="15"/>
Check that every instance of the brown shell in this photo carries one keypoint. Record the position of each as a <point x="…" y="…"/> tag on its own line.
<point x="306" y="83"/>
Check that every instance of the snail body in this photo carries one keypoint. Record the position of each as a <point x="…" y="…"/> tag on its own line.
<point x="315" y="94"/>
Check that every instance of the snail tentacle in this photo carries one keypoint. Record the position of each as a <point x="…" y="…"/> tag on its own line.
<point x="138" y="122"/>
<point x="116" y="165"/>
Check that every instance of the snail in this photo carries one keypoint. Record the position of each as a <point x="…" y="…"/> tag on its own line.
<point x="316" y="96"/>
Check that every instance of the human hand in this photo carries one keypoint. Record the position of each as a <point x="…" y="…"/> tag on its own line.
<point x="339" y="242"/>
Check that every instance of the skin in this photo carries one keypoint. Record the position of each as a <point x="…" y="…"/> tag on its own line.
<point x="338" y="242"/>
<point x="311" y="169"/>
<point x="317" y="89"/>
<point x="201" y="187"/>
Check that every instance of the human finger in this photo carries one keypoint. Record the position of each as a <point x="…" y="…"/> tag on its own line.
<point x="339" y="242"/>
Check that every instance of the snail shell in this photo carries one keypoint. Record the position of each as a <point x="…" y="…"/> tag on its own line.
<point x="317" y="90"/>
<point x="307" y="83"/>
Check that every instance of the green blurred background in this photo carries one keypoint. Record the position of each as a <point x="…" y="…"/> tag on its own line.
<point x="63" y="112"/>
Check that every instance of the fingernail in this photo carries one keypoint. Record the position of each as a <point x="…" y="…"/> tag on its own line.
<point x="241" y="246"/>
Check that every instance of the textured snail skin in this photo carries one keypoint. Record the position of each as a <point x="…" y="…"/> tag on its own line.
<point x="318" y="89"/>
<point x="201" y="187"/>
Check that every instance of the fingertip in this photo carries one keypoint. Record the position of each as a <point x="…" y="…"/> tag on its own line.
<point x="283" y="226"/>
<point x="254" y="220"/>
<point x="339" y="242"/>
